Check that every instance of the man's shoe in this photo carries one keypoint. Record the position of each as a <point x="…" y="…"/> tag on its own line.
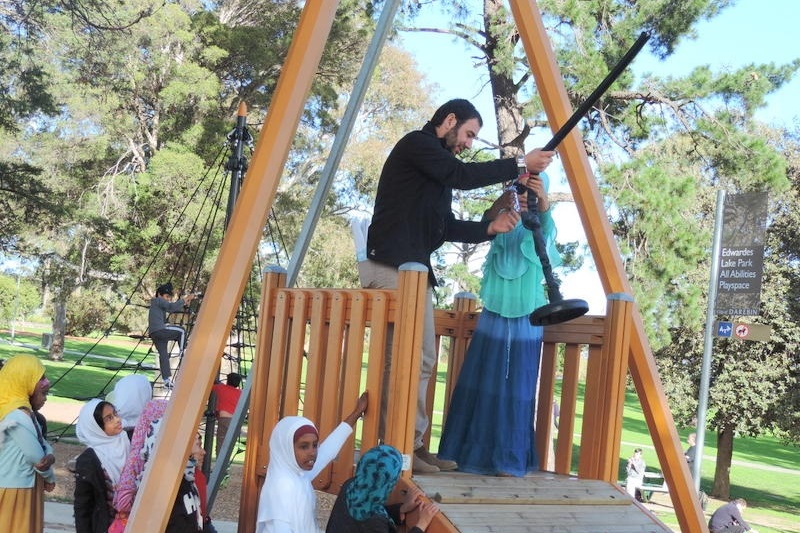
<point x="442" y="464"/>
<point x="418" y="466"/>
<point x="168" y="384"/>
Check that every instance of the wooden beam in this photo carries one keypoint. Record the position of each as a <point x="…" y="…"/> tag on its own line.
<point x="607" y="258"/>
<point x="223" y="294"/>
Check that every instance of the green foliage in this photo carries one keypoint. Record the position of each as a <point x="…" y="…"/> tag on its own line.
<point x="87" y="313"/>
<point x="331" y="258"/>
<point x="655" y="218"/>
<point x="17" y="301"/>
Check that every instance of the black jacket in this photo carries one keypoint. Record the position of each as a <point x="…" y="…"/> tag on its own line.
<point x="185" y="510"/>
<point x="413" y="214"/>
<point x="93" y="512"/>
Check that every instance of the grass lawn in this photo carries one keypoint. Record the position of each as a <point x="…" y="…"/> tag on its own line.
<point x="764" y="472"/>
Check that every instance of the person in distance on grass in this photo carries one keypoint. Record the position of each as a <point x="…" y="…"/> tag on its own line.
<point x="691" y="440"/>
<point x="287" y="503"/>
<point x="728" y="518"/>
<point x="635" y="470"/>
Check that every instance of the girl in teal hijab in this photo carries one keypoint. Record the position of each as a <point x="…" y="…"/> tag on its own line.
<point x="361" y="505"/>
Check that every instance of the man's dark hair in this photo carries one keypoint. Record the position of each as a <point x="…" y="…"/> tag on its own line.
<point x="233" y="379"/>
<point x="164" y="289"/>
<point x="462" y="109"/>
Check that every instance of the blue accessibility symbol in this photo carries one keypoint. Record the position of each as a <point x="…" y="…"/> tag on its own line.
<point x="724" y="329"/>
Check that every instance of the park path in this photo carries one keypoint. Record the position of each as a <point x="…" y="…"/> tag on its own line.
<point x="708" y="457"/>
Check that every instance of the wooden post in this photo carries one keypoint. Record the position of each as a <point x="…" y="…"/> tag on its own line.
<point x="464" y="305"/>
<point x="406" y="359"/>
<point x="545" y="396"/>
<point x="605" y="394"/>
<point x="569" y="400"/>
<point x="379" y="317"/>
<point x="260" y="422"/>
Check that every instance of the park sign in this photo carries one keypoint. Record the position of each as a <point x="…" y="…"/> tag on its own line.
<point x="741" y="258"/>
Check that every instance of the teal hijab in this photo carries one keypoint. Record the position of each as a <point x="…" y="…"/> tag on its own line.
<point x="377" y="473"/>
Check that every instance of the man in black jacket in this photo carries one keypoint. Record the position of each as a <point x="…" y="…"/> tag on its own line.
<point x="728" y="518"/>
<point x="413" y="217"/>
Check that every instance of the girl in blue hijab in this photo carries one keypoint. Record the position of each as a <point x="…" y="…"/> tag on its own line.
<point x="361" y="505"/>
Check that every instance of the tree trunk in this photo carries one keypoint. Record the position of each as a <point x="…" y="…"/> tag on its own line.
<point x="512" y="129"/>
<point x="59" y="327"/>
<point x="722" y="473"/>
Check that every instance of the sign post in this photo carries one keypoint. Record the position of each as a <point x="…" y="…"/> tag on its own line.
<point x="734" y="288"/>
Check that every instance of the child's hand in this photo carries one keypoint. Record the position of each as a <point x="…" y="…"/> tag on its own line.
<point x="412" y="500"/>
<point x="427" y="510"/>
<point x="362" y="403"/>
<point x="360" y="409"/>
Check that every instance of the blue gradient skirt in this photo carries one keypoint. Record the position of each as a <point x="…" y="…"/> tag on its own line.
<point x="490" y="427"/>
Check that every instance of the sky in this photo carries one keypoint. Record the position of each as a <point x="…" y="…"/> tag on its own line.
<point x="750" y="31"/>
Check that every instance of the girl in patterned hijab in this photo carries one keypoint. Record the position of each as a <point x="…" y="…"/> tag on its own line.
<point x="134" y="467"/>
<point x="376" y="475"/>
<point x="361" y="505"/>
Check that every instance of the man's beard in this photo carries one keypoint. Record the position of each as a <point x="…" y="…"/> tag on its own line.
<point x="451" y="139"/>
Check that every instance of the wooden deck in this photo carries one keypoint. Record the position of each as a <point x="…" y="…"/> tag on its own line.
<point x="539" y="502"/>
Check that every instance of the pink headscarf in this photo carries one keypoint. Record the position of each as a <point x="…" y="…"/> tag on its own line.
<point x="131" y="474"/>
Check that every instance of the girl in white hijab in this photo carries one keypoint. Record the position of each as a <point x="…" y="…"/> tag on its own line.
<point x="288" y="503"/>
<point x="129" y="396"/>
<point x="98" y="468"/>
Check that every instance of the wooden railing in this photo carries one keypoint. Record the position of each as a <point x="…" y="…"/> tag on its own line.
<point x="315" y="344"/>
<point x="312" y="348"/>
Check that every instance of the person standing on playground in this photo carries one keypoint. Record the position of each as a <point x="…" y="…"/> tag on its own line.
<point x="228" y="395"/>
<point x="489" y="428"/>
<point x="161" y="331"/>
<point x="413" y="217"/>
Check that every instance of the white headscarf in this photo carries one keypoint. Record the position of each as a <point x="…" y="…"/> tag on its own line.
<point x="129" y="396"/>
<point x="287" y="494"/>
<point x="112" y="451"/>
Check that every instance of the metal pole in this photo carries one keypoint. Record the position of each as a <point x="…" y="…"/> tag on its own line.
<point x="705" y="372"/>
<point x="342" y="135"/>
<point x="237" y="164"/>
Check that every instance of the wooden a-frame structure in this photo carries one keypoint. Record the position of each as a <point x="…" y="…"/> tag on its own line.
<point x="223" y="293"/>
